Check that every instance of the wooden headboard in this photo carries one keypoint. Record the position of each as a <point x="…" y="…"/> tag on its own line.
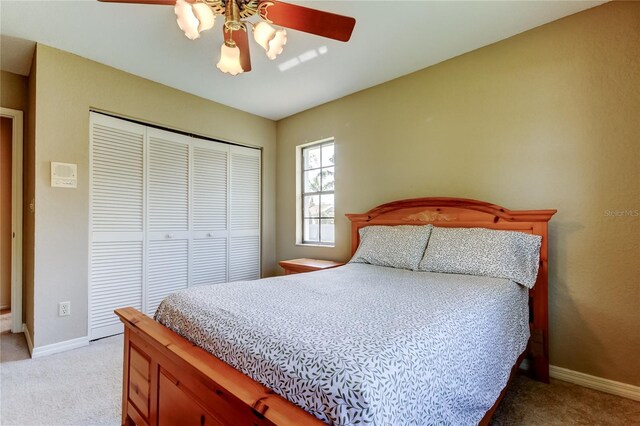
<point x="463" y="213"/>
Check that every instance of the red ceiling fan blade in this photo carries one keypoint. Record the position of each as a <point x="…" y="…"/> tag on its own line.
<point x="308" y="20"/>
<point x="241" y="39"/>
<point x="162" y="2"/>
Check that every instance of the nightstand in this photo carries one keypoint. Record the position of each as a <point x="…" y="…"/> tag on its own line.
<point x="297" y="266"/>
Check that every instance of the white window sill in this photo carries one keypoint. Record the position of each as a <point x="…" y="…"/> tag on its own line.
<point x="314" y="245"/>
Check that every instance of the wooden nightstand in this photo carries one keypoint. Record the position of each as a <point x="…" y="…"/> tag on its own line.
<point x="297" y="266"/>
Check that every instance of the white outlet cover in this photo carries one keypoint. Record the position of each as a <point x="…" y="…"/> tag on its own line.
<point x="64" y="309"/>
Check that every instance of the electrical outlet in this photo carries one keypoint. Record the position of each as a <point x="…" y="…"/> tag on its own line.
<point x="64" y="309"/>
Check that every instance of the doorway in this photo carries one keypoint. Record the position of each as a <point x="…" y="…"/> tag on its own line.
<point x="11" y="122"/>
<point x="6" y="143"/>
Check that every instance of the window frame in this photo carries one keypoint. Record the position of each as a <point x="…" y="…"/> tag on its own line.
<point x="300" y="213"/>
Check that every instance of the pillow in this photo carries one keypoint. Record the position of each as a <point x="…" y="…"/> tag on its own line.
<point x="479" y="251"/>
<point x="396" y="246"/>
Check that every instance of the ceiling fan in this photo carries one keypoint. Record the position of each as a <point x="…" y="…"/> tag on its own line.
<point x="195" y="16"/>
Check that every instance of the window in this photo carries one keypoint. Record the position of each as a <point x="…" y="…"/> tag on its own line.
<point x="317" y="193"/>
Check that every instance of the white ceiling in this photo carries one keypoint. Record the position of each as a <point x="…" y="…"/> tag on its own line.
<point x="391" y="39"/>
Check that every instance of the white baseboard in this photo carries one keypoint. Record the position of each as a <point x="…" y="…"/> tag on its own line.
<point x="598" y="383"/>
<point x="27" y="336"/>
<point x="54" y="348"/>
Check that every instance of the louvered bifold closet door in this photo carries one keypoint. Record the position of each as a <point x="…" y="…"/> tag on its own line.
<point x="244" y="214"/>
<point x="210" y="205"/>
<point x="116" y="221"/>
<point x="167" y="215"/>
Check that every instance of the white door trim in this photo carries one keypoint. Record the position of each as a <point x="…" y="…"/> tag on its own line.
<point x="16" y="217"/>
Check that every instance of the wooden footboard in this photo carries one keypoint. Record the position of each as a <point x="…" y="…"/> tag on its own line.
<point x="169" y="381"/>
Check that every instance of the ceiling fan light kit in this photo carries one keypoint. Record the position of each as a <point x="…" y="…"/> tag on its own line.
<point x="205" y="16"/>
<point x="229" y="59"/>
<point x="196" y="16"/>
<point x="270" y="39"/>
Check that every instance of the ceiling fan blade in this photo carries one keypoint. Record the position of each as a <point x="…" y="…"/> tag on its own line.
<point x="241" y="39"/>
<point x="162" y="2"/>
<point x="325" y="24"/>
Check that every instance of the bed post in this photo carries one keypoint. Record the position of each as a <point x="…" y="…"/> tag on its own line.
<point x="539" y="344"/>
<point x="126" y="420"/>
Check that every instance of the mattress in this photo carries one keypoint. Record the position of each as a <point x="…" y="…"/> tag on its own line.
<point x="364" y="344"/>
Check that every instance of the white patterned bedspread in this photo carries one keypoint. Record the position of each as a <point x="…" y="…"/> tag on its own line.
<point x="364" y="344"/>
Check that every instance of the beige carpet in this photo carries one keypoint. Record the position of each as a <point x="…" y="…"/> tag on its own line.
<point x="77" y="387"/>
<point x="531" y="403"/>
<point x="5" y="321"/>
<point x="82" y="387"/>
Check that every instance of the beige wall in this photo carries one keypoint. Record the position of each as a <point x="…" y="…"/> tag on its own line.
<point x="545" y="119"/>
<point x="13" y="91"/>
<point x="68" y="86"/>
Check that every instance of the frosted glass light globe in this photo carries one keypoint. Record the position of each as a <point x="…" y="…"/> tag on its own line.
<point x="263" y="33"/>
<point x="276" y="45"/>
<point x="205" y="16"/>
<point x="230" y="60"/>
<point x="187" y="20"/>
<point x="272" y="41"/>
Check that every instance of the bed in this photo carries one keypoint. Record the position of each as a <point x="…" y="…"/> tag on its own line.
<point x="285" y="341"/>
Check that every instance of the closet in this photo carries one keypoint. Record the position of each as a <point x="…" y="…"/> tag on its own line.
<point x="167" y="212"/>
